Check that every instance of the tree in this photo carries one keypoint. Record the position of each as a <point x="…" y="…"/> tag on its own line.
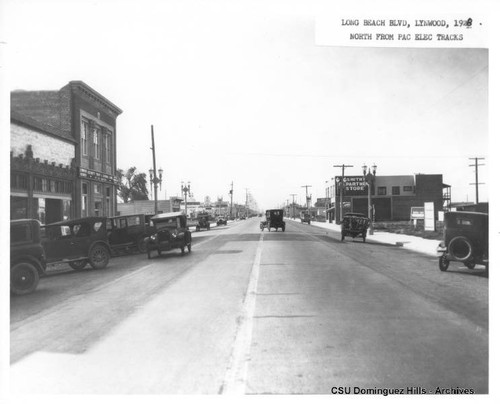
<point x="133" y="185"/>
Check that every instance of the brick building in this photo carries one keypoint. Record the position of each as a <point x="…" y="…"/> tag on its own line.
<point x="85" y="119"/>
<point x="392" y="196"/>
<point x="42" y="175"/>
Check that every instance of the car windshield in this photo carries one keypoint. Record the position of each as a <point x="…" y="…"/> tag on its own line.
<point x="170" y="223"/>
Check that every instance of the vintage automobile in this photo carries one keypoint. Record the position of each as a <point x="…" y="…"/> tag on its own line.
<point x="128" y="232"/>
<point x="221" y="221"/>
<point x="27" y="256"/>
<point x="77" y="242"/>
<point x="305" y="217"/>
<point x="465" y="239"/>
<point x="354" y="225"/>
<point x="203" y="221"/>
<point x="169" y="231"/>
<point x="274" y="219"/>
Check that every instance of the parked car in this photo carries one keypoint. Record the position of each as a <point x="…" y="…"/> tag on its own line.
<point x="305" y="217"/>
<point x="274" y="219"/>
<point x="169" y="231"/>
<point x="203" y="221"/>
<point x="77" y="242"/>
<point x="465" y="239"/>
<point x="129" y="232"/>
<point x="221" y="221"/>
<point x="27" y="256"/>
<point x="354" y="225"/>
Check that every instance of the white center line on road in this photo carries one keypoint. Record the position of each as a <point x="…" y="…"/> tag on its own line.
<point x="236" y="373"/>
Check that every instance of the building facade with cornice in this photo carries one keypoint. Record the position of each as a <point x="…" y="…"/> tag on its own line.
<point x="72" y="129"/>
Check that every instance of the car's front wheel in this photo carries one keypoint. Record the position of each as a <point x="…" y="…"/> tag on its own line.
<point x="444" y="263"/>
<point x="24" y="278"/>
<point x="142" y="244"/>
<point x="80" y="264"/>
<point x="99" y="256"/>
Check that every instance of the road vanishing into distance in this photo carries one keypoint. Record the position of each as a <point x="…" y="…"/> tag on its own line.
<point x="255" y="312"/>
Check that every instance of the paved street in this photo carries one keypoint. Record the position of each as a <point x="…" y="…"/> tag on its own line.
<point x="254" y="312"/>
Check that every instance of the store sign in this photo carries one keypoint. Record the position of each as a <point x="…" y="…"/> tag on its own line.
<point x="95" y="175"/>
<point x="353" y="186"/>
<point x="429" y="222"/>
<point x="417" y="212"/>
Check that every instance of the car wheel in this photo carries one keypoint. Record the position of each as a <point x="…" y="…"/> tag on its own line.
<point x="444" y="263"/>
<point x="142" y="244"/>
<point x="24" y="278"/>
<point x="80" y="264"/>
<point x="470" y="264"/>
<point x="99" y="256"/>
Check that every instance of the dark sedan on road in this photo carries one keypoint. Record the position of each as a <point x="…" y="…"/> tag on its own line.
<point x="170" y="231"/>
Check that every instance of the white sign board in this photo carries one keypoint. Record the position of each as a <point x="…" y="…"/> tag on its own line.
<point x="429" y="222"/>
<point x="417" y="212"/>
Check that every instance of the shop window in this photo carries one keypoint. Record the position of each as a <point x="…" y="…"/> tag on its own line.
<point x="96" y="137"/>
<point x="107" y="147"/>
<point x="382" y="191"/>
<point x="18" y="181"/>
<point x="85" y="136"/>
<point x="108" y="201"/>
<point x="18" y="207"/>
<point x="396" y="190"/>
<point x="98" y="208"/>
<point x="85" y="199"/>
<point x="98" y="189"/>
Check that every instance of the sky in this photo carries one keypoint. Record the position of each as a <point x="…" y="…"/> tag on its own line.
<point x="239" y="92"/>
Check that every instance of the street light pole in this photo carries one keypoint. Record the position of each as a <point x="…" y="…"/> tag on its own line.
<point x="152" y="172"/>
<point x="369" y="179"/>
<point x="293" y="205"/>
<point x="231" y="208"/>
<point x="186" y="190"/>
<point x="307" y="197"/>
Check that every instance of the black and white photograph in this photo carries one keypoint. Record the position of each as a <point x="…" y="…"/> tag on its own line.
<point x="249" y="198"/>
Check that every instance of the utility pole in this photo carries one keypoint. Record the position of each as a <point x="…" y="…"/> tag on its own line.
<point x="293" y="205"/>
<point x="476" y="183"/>
<point x="343" y="166"/>
<point x="231" y="207"/>
<point x="307" y="196"/>
<point x="246" y="202"/>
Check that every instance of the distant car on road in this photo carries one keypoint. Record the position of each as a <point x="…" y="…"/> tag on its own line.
<point x="27" y="256"/>
<point x="203" y="221"/>
<point x="354" y="225"/>
<point x="305" y="217"/>
<point x="465" y="239"/>
<point x="170" y="231"/>
<point x="77" y="242"/>
<point x="274" y="219"/>
<point x="221" y="221"/>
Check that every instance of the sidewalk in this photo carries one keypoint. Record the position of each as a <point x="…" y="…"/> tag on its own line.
<point x="402" y="240"/>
